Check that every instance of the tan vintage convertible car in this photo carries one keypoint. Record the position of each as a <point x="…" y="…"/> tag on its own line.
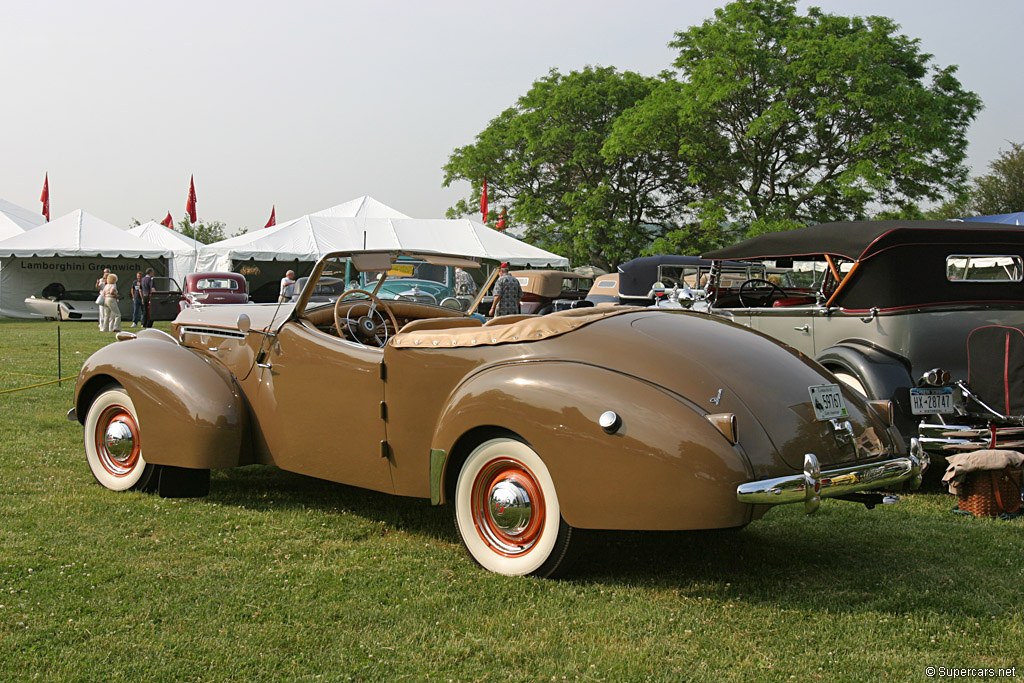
<point x="529" y="426"/>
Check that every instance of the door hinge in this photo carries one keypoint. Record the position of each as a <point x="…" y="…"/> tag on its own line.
<point x="383" y="371"/>
<point x="385" y="449"/>
<point x="383" y="410"/>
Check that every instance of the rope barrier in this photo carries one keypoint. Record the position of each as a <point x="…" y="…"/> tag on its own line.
<point x="41" y="384"/>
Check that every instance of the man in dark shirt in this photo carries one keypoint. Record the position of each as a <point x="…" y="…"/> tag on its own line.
<point x="147" y="289"/>
<point x="507" y="294"/>
<point x="137" y="302"/>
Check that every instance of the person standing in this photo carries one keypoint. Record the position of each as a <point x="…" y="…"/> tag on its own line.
<point x="137" y="300"/>
<point x="100" y="303"/>
<point x="287" y="287"/>
<point x="146" y="286"/>
<point x="111" y="297"/>
<point x="507" y="294"/>
<point x="464" y="285"/>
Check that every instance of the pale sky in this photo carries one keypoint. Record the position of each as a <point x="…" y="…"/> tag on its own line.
<point x="310" y="103"/>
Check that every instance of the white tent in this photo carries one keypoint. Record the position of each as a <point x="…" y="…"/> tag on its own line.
<point x="360" y="207"/>
<point x="294" y="240"/>
<point x="263" y="256"/>
<point x="15" y="220"/>
<point x="184" y="249"/>
<point x="73" y="250"/>
<point x="469" y="238"/>
<point x="308" y="238"/>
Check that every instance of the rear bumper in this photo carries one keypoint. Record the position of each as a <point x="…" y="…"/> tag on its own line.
<point x="940" y="439"/>
<point x="813" y="485"/>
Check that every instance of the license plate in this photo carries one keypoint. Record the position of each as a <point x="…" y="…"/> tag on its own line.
<point x="931" y="401"/>
<point x="828" y="402"/>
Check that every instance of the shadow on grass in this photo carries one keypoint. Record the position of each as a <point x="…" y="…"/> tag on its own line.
<point x="259" y="487"/>
<point x="845" y="559"/>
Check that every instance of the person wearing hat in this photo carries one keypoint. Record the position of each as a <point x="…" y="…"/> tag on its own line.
<point x="507" y="294"/>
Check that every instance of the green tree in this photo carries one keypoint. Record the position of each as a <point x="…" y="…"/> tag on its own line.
<point x="813" y="118"/>
<point x="547" y="161"/>
<point x="1002" y="189"/>
<point x="206" y="232"/>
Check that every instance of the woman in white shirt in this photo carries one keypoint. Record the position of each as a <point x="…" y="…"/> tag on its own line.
<point x="110" y="297"/>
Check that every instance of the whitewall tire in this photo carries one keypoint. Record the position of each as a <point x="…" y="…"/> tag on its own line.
<point x="852" y="382"/>
<point x="113" y="443"/>
<point x="507" y="512"/>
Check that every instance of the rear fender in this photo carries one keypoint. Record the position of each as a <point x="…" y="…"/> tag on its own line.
<point x="191" y="412"/>
<point x="666" y="467"/>
<point x="884" y="376"/>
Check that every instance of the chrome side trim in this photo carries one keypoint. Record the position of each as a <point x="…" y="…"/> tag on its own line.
<point x="225" y="333"/>
<point x="813" y="485"/>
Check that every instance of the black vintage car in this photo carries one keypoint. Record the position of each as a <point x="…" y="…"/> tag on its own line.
<point x="929" y="314"/>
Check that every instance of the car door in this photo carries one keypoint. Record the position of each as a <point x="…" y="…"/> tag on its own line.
<point x="318" y="407"/>
<point x="793" y="325"/>
<point x="164" y="298"/>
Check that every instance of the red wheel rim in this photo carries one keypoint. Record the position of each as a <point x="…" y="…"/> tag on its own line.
<point x="117" y="441"/>
<point x="515" y="530"/>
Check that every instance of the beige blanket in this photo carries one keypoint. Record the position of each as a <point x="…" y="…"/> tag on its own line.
<point x="962" y="464"/>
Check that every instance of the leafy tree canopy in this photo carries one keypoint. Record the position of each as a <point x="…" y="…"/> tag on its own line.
<point x="819" y="115"/>
<point x="206" y="232"/>
<point x="774" y="120"/>
<point x="1002" y="189"/>
<point x="545" y="160"/>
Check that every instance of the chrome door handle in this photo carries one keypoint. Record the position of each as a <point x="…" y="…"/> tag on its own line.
<point x="802" y="328"/>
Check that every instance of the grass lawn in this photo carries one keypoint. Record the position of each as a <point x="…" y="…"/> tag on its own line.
<point x="276" y="576"/>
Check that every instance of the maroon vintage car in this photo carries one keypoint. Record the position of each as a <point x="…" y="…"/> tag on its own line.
<point x="215" y="288"/>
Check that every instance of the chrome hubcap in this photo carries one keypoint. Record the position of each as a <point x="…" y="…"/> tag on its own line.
<point x="119" y="440"/>
<point x="510" y="507"/>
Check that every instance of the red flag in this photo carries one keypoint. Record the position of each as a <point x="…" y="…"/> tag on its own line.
<point x="169" y="222"/>
<point x="273" y="218"/>
<point x="483" y="201"/>
<point x="501" y="220"/>
<point x="45" y="197"/>
<point x="190" y="205"/>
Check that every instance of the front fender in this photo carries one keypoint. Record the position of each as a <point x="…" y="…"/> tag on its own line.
<point x="191" y="413"/>
<point x="666" y="467"/>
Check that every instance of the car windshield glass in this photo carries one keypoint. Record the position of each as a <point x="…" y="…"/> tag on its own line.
<point x="983" y="268"/>
<point x="801" y="274"/>
<point x="420" y="270"/>
<point x="216" y="283"/>
<point x="695" y="277"/>
<point x="339" y="276"/>
<point x="573" y="284"/>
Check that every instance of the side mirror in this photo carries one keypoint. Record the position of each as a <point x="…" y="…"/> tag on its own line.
<point x="243" y="323"/>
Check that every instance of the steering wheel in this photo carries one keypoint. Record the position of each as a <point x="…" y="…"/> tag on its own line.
<point x="371" y="327"/>
<point x="758" y="284"/>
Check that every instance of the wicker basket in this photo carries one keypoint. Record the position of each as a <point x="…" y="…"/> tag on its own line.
<point x="991" y="493"/>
